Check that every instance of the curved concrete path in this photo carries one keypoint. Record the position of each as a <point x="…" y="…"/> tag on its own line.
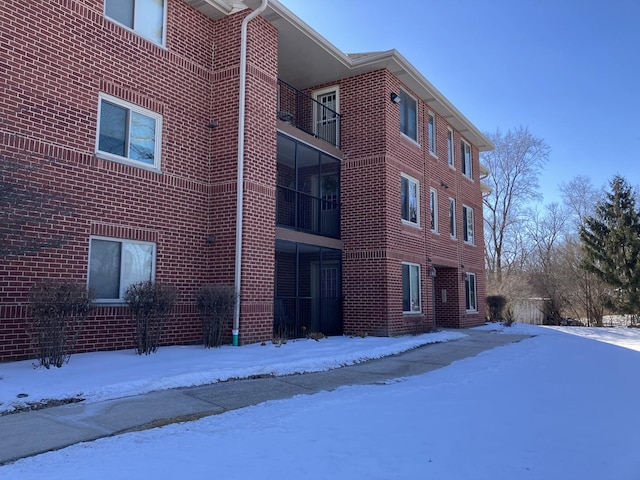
<point x="30" y="433"/>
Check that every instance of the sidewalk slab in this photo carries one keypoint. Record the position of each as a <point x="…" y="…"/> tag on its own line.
<point x="115" y="416"/>
<point x="31" y="433"/>
<point x="239" y="394"/>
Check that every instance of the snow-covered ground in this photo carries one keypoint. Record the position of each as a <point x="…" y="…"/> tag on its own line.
<point x="556" y="406"/>
<point x="623" y="337"/>
<point x="107" y="375"/>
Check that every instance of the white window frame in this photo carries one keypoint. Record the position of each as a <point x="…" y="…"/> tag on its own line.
<point x="133" y="29"/>
<point x="410" y="180"/>
<point x="467" y="159"/>
<point x="468" y="227"/>
<point x="451" y="158"/>
<point x="470" y="292"/>
<point x="414" y="308"/>
<point x="103" y="97"/>
<point x="452" y="218"/>
<point x="404" y="103"/>
<point x="433" y="209"/>
<point x="431" y="132"/>
<point x="121" y="287"/>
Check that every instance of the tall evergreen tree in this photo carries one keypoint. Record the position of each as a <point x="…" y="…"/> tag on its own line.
<point x="611" y="241"/>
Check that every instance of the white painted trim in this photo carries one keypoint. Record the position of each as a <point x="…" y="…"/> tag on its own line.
<point x="133" y="30"/>
<point x="410" y="264"/>
<point x="410" y="179"/>
<point x="133" y="108"/>
<point x="122" y="289"/>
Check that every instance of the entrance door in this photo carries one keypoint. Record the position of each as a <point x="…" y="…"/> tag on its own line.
<point x="325" y="289"/>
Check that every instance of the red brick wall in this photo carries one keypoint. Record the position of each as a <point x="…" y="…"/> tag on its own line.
<point x="258" y="246"/>
<point x="258" y="257"/>
<point x="376" y="241"/>
<point x="56" y="59"/>
<point x="363" y="195"/>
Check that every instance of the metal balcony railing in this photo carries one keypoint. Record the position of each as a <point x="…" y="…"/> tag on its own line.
<point x="302" y="111"/>
<point x="307" y="213"/>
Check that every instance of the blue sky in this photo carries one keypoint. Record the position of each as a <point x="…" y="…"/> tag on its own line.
<point x="569" y="70"/>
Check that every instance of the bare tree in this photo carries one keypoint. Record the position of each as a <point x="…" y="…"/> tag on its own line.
<point x="587" y="293"/>
<point x="547" y="269"/>
<point x="580" y="197"/>
<point x="514" y="167"/>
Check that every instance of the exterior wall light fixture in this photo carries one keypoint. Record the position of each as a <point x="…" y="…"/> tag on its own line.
<point x="395" y="98"/>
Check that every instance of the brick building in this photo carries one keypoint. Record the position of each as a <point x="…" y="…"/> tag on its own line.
<point x="224" y="141"/>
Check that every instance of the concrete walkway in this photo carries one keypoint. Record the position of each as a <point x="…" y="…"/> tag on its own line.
<point x="30" y="433"/>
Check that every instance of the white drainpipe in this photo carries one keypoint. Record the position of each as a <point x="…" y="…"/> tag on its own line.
<point x="240" y="187"/>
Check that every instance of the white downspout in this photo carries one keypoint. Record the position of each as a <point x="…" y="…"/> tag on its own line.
<point x="240" y="187"/>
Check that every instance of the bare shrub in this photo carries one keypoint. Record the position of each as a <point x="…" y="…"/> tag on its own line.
<point x="150" y="305"/>
<point x="551" y="311"/>
<point x="312" y="335"/>
<point x="509" y="316"/>
<point x="280" y="335"/>
<point x="58" y="312"/>
<point x="280" y="324"/>
<point x="215" y="304"/>
<point x="495" y="307"/>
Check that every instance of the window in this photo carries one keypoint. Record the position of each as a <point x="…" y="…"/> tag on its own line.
<point x="411" y="288"/>
<point x="433" y="203"/>
<point x="467" y="224"/>
<point x="145" y="17"/>
<point x="452" y="218"/>
<point x="408" y="116"/>
<point x="431" y="124"/>
<point x="410" y="199"/>
<point x="128" y="132"/>
<point x="450" y="158"/>
<point x="466" y="158"/>
<point x="115" y="264"/>
<point x="470" y="292"/>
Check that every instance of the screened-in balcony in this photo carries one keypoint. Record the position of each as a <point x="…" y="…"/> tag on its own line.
<point x="308" y="189"/>
<point x="315" y="117"/>
<point x="304" y="212"/>
<point x="308" y="290"/>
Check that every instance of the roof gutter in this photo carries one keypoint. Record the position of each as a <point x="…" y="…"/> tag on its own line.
<point x="240" y="186"/>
